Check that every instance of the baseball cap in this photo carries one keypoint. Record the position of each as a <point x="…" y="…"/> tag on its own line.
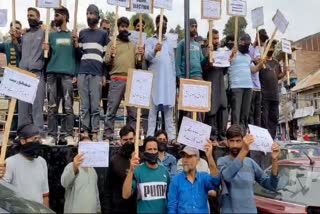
<point x="189" y="151"/>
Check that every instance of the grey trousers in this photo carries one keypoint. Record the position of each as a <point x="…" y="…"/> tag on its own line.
<point x="240" y="105"/>
<point x="116" y="93"/>
<point x="90" y="87"/>
<point x="255" y="110"/>
<point x="28" y="113"/>
<point x="60" y="87"/>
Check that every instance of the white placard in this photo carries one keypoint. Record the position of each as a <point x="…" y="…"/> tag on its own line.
<point x="18" y="85"/>
<point x="141" y="6"/>
<point x="280" y="22"/>
<point x="120" y="3"/>
<point x="134" y="37"/>
<point x="257" y="17"/>
<point x="163" y="4"/>
<point x="211" y="9"/>
<point x="262" y="139"/>
<point x="221" y="57"/>
<point x="286" y="46"/>
<point x="237" y="7"/>
<point x="3" y="17"/>
<point x="195" y="96"/>
<point x="173" y="39"/>
<point x="194" y="133"/>
<point x="96" y="154"/>
<point x="48" y="3"/>
<point x="141" y="86"/>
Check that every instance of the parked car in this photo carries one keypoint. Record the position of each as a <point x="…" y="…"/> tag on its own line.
<point x="11" y="202"/>
<point x="298" y="188"/>
<point x="295" y="150"/>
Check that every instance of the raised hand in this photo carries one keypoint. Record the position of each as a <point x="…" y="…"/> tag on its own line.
<point x="247" y="141"/>
<point x="275" y="151"/>
<point x="77" y="161"/>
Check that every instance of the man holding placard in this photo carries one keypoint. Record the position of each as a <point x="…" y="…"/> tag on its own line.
<point x="31" y="50"/>
<point x="164" y="81"/>
<point x="121" y="58"/>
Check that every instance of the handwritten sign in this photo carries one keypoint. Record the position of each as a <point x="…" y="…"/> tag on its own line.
<point x="222" y="58"/>
<point x="194" y="95"/>
<point x="141" y="6"/>
<point x="280" y="21"/>
<point x="134" y="37"/>
<point x="3" y="17"/>
<point x="257" y="17"/>
<point x="163" y="4"/>
<point x="286" y="46"/>
<point x="19" y="85"/>
<point x="138" y="90"/>
<point x="237" y="7"/>
<point x="211" y="9"/>
<point x="194" y="133"/>
<point x="263" y="140"/>
<point x="48" y="3"/>
<point x="96" y="154"/>
<point x="120" y="3"/>
<point x="173" y="39"/>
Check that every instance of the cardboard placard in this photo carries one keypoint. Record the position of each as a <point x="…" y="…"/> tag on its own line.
<point x="120" y="3"/>
<point x="262" y="139"/>
<point x="211" y="9"/>
<point x="257" y="17"/>
<point x="194" y="133"/>
<point x="280" y="21"/>
<point x="48" y="3"/>
<point x="237" y="7"/>
<point x="96" y="154"/>
<point x="3" y="17"/>
<point x="286" y="46"/>
<point x="222" y="58"/>
<point x="141" y="6"/>
<point x="134" y="37"/>
<point x="139" y="87"/>
<point x="194" y="95"/>
<point x="163" y="4"/>
<point x="19" y="84"/>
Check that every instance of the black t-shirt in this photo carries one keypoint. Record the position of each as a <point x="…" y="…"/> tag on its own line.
<point x="269" y="80"/>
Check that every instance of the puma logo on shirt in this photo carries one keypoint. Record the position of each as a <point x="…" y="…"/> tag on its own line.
<point x="153" y="190"/>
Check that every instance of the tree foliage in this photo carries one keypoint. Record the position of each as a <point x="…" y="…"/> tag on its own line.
<point x="149" y="26"/>
<point x="230" y="26"/>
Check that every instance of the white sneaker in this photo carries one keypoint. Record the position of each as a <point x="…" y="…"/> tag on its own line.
<point x="49" y="141"/>
<point x="71" y="141"/>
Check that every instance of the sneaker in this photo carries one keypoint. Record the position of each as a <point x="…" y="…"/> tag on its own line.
<point x="71" y="141"/>
<point x="49" y="141"/>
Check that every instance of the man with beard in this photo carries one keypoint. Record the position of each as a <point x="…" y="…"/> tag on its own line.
<point x="105" y="25"/>
<point x="118" y="169"/>
<point x="31" y="50"/>
<point x="217" y="118"/>
<point x="61" y="71"/>
<point x="241" y="82"/>
<point x="149" y="179"/>
<point x="91" y="47"/>
<point x="240" y="173"/>
<point x="27" y="171"/>
<point x="188" y="192"/>
<point x="164" y="81"/>
<point x="121" y="58"/>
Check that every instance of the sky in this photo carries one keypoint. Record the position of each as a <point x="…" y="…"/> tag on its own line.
<point x="302" y="18"/>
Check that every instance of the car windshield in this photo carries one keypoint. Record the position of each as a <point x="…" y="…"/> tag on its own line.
<point x="300" y="185"/>
<point x="299" y="152"/>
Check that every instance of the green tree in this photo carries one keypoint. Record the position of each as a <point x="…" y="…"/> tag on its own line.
<point x="178" y="30"/>
<point x="149" y="26"/>
<point x="230" y="26"/>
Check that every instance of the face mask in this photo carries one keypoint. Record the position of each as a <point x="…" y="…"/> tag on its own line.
<point x="150" y="157"/>
<point x="58" y="23"/>
<point x="92" y="22"/>
<point x="33" y="23"/>
<point x="234" y="152"/>
<point x="244" y="49"/>
<point x="31" y="149"/>
<point x="270" y="54"/>
<point x="162" y="147"/>
<point x="127" y="149"/>
<point x="124" y="36"/>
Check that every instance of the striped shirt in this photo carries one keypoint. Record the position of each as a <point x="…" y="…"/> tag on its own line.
<point x="92" y="44"/>
<point x="240" y="71"/>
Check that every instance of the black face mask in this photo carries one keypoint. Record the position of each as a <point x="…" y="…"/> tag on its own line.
<point x="92" y="22"/>
<point x="244" y="49"/>
<point x="33" y="23"/>
<point x="234" y="151"/>
<point x="58" y="23"/>
<point x="270" y="53"/>
<point x="124" y="36"/>
<point x="150" y="158"/>
<point x="127" y="149"/>
<point x="162" y="147"/>
<point x="31" y="149"/>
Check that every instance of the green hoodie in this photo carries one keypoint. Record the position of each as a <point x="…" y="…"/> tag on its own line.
<point x="8" y="49"/>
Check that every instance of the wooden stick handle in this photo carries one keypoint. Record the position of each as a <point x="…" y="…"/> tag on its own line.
<point x="287" y="67"/>
<point x="140" y="35"/>
<point x="269" y="45"/>
<point x="7" y="129"/>
<point x="259" y="41"/>
<point x="194" y="115"/>
<point x="14" y="14"/>
<point x="160" y="28"/>
<point x="115" y="29"/>
<point x="210" y="40"/>
<point x="75" y="19"/>
<point x="136" y="142"/>
<point x="236" y="31"/>
<point x="46" y="38"/>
